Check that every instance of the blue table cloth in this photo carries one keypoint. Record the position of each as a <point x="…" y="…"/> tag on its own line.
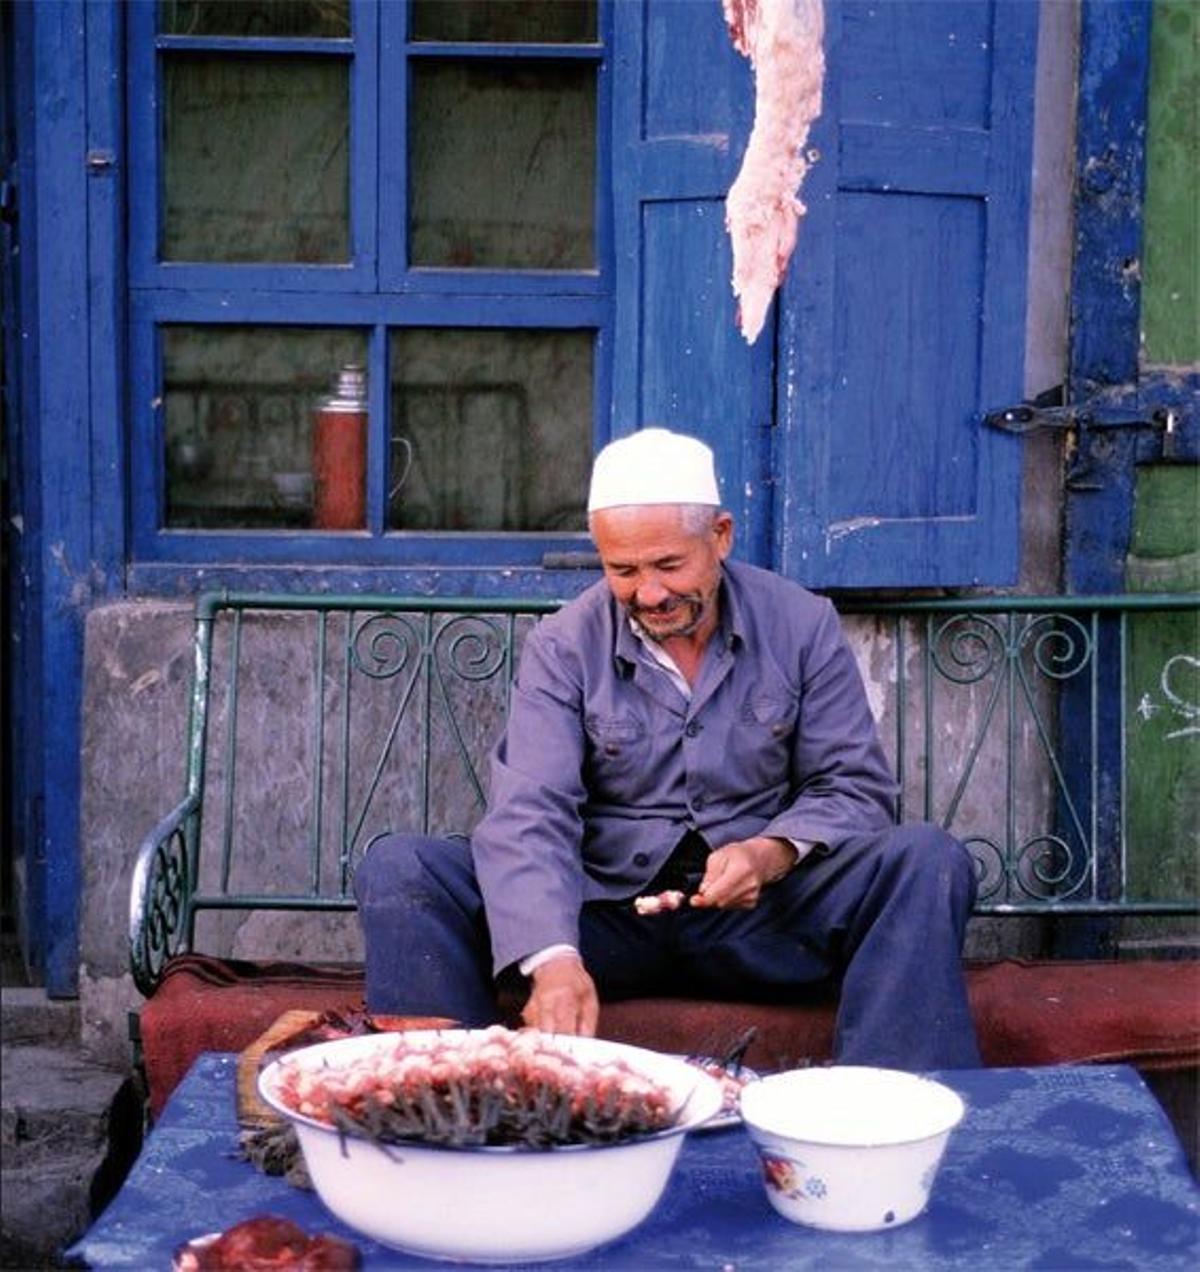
<point x="1053" y="1168"/>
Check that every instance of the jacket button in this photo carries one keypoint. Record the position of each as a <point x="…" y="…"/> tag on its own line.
<point x="692" y="728"/>
<point x="641" y="859"/>
<point x="698" y="803"/>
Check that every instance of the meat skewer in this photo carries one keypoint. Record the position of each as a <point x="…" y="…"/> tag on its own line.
<point x="659" y="902"/>
<point x="670" y="899"/>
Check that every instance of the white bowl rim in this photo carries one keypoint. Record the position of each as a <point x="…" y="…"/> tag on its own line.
<point x="957" y="1108"/>
<point x="682" y="1127"/>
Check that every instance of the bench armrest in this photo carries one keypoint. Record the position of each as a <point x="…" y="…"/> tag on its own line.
<point x="159" y="923"/>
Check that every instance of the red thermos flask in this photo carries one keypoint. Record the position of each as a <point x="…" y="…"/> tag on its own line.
<point x="339" y="459"/>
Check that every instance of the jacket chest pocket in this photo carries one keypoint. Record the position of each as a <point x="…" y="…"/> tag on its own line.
<point x="772" y="714"/>
<point x="766" y="722"/>
<point x="616" y="744"/>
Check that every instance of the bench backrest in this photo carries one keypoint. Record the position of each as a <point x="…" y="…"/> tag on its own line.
<point x="1058" y="737"/>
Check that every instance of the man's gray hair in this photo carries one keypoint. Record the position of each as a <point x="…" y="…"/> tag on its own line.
<point x="697" y="518"/>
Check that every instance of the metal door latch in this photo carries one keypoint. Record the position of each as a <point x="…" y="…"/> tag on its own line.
<point x="1028" y="417"/>
<point x="1089" y="420"/>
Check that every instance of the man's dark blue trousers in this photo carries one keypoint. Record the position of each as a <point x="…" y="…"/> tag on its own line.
<point x="883" y="915"/>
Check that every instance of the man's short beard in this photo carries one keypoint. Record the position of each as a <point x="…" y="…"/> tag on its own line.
<point x="694" y="599"/>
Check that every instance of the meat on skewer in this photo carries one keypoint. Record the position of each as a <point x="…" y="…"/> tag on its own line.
<point x="659" y="903"/>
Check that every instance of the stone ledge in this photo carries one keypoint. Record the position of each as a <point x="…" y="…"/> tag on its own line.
<point x="50" y="1092"/>
<point x="70" y="1129"/>
<point x="31" y="1017"/>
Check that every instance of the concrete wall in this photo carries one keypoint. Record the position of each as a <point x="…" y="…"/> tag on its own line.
<point x="137" y="676"/>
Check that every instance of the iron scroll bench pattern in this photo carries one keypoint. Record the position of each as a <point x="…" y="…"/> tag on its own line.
<point x="392" y="705"/>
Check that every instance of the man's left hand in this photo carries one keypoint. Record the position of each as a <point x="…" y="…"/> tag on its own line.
<point x="737" y="873"/>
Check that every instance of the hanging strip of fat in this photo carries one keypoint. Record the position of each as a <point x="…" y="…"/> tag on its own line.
<point x="783" y="40"/>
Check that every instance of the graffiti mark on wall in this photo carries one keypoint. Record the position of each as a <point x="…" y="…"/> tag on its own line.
<point x="1179" y="683"/>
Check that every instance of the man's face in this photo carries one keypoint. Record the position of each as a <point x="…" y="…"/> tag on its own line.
<point x="665" y="575"/>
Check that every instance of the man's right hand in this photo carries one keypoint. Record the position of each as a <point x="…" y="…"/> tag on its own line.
<point x="563" y="998"/>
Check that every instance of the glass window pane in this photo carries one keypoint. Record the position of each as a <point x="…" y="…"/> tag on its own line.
<point x="491" y="430"/>
<point x="321" y="19"/>
<point x="256" y="159"/>
<point x="503" y="165"/>
<point x="240" y="407"/>
<point x="506" y="21"/>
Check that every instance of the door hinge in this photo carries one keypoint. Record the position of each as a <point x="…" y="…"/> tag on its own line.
<point x="1089" y="420"/>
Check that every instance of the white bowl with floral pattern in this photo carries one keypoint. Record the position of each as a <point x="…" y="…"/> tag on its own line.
<point x="849" y="1148"/>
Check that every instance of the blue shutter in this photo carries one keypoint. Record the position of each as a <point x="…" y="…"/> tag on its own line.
<point x="902" y="318"/>
<point x="683" y="105"/>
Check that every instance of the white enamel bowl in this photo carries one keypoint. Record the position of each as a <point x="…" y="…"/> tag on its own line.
<point x="494" y="1205"/>
<point x="849" y="1148"/>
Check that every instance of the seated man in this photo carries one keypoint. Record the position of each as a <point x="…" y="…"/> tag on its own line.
<point x="688" y="724"/>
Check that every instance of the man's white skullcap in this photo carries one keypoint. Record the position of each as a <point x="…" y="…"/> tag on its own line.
<point x="653" y="466"/>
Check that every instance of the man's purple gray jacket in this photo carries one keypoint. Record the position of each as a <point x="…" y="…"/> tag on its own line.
<point x="604" y="765"/>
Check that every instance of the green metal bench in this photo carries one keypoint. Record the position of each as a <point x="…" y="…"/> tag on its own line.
<point x="1025" y="725"/>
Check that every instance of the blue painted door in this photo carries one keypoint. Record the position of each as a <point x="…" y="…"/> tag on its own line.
<point x="850" y="433"/>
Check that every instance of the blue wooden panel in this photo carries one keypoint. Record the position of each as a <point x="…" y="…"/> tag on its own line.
<point x="439" y="309"/>
<point x="902" y="316"/>
<point x="58" y="220"/>
<point x="902" y="434"/>
<point x="914" y="159"/>
<point x="378" y="422"/>
<point x="483" y="51"/>
<point x="364" y="144"/>
<point x="1111" y="161"/>
<point x="143" y="159"/>
<point x="333" y="46"/>
<point x="1106" y="288"/>
<point x="683" y="106"/>
<point x="694" y="86"/>
<point x="927" y="63"/>
<point x="172" y="578"/>
<point x="605" y="242"/>
<point x="697" y="375"/>
<point x="20" y="531"/>
<point x="392" y="168"/>
<point x="107" y="364"/>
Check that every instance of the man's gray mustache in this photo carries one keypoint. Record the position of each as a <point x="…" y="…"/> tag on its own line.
<point x="667" y="607"/>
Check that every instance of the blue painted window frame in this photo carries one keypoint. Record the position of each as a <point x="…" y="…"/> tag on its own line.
<point x="376" y="292"/>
